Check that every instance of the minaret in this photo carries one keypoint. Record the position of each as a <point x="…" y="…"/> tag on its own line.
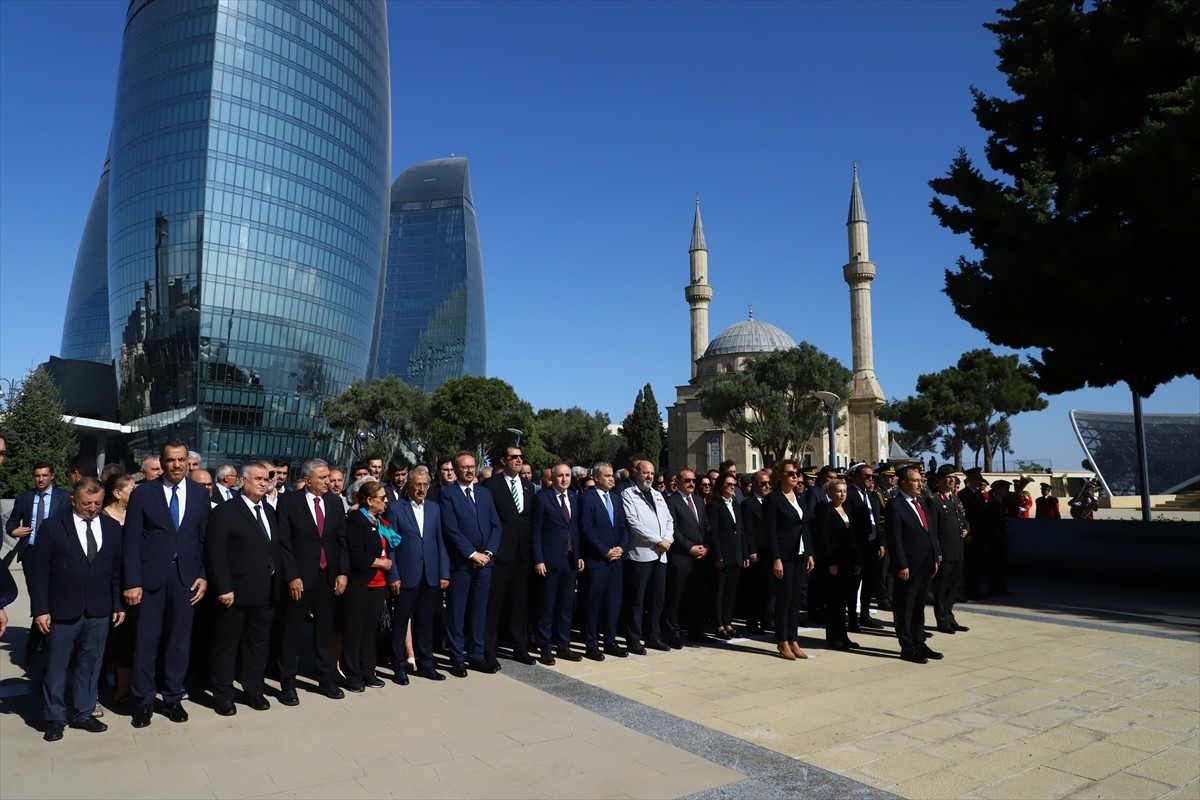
<point x="698" y="293"/>
<point x="868" y="436"/>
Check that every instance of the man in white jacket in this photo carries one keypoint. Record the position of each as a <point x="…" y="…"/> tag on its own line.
<point x="651" y="531"/>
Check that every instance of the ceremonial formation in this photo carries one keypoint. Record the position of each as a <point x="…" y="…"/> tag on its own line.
<point x="185" y="587"/>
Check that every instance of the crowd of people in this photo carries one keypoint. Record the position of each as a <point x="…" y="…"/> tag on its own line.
<point x="184" y="580"/>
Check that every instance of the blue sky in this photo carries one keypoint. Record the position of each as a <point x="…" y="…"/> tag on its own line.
<point x="590" y="128"/>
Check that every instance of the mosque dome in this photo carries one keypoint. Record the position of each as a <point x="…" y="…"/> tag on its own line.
<point x="749" y="336"/>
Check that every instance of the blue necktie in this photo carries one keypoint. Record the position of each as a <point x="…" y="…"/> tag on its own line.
<point x="608" y="505"/>
<point x="41" y="515"/>
<point x="175" y="507"/>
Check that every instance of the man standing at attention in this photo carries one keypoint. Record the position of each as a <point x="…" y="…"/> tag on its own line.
<point x="913" y="543"/>
<point x="605" y="535"/>
<point x="557" y="561"/>
<point x="687" y="579"/>
<point x="651" y="531"/>
<point x="508" y="601"/>
<point x="471" y="529"/>
<point x="952" y="529"/>
<point x="164" y="575"/>
<point x="74" y="576"/>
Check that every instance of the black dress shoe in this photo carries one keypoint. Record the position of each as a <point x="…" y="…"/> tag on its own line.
<point x="567" y="654"/>
<point x="400" y="677"/>
<point x="54" y="731"/>
<point x="225" y="708"/>
<point x="524" y="658"/>
<point x="484" y="667"/>
<point x="915" y="658"/>
<point x="615" y="650"/>
<point x="884" y="606"/>
<point x="675" y="643"/>
<point x="753" y="629"/>
<point x="493" y="665"/>
<point x="698" y="638"/>
<point x="433" y="674"/>
<point x="258" y="703"/>
<point x="89" y="724"/>
<point x="358" y="687"/>
<point x="458" y="669"/>
<point x="853" y="645"/>
<point x="593" y="654"/>
<point x="331" y="691"/>
<point x="373" y="682"/>
<point x="854" y="627"/>
<point x="141" y="717"/>
<point x="946" y="629"/>
<point x="931" y="654"/>
<point x="656" y="645"/>
<point x="869" y="622"/>
<point x="636" y="649"/>
<point x="288" y="697"/>
<point x="723" y="635"/>
<point x="176" y="712"/>
<point x="843" y="646"/>
<point x="547" y="658"/>
<point x="962" y="628"/>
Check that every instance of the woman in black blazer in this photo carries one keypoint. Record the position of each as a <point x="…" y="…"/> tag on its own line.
<point x="787" y="546"/>
<point x="367" y="541"/>
<point x="729" y="551"/>
<point x="839" y="560"/>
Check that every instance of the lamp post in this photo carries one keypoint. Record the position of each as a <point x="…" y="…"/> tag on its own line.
<point x="518" y="433"/>
<point x="831" y="401"/>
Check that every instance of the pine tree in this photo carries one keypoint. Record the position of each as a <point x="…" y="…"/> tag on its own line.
<point x="643" y="430"/>
<point x="34" y="430"/>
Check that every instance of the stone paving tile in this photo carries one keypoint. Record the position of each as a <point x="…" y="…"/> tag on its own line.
<point x="936" y="786"/>
<point x="1007" y="760"/>
<point x="1174" y="766"/>
<point x="1146" y="739"/>
<point x="1065" y="738"/>
<point x="892" y="769"/>
<point x="1033" y="784"/>
<point x="1097" y="760"/>
<point x="1122" y="787"/>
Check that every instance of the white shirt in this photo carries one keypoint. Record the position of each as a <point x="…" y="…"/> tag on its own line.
<point x="167" y="487"/>
<point x="81" y="532"/>
<point x="795" y="501"/>
<point x="265" y="519"/>
<point x="418" y="510"/>
<point x="517" y="491"/>
<point x="312" y="511"/>
<point x="730" y="505"/>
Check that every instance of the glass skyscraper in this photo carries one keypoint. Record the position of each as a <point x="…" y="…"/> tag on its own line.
<point x="247" y="217"/>
<point x="433" y="323"/>
<point x="85" y="327"/>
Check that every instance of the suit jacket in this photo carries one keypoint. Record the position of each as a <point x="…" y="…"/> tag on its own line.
<point x="515" y="529"/>
<point x="727" y="541"/>
<point x="551" y="533"/>
<point x="648" y="525"/>
<point x="861" y="514"/>
<point x="813" y="498"/>
<point x="783" y="529"/>
<point x="951" y="520"/>
<point x="61" y="581"/>
<point x="301" y="545"/>
<point x="689" y="531"/>
<point x="833" y="542"/>
<point x="752" y="522"/>
<point x="151" y="541"/>
<point x="392" y="492"/>
<point x="24" y="511"/>
<point x="598" y="534"/>
<point x="469" y="527"/>
<point x="911" y="546"/>
<point x="239" y="556"/>
<point x="417" y="554"/>
<point x="363" y="546"/>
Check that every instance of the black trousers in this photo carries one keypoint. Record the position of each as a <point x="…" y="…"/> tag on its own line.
<point x="839" y="593"/>
<point x="362" y="606"/>
<point x="871" y="583"/>
<point x="945" y="585"/>
<point x="789" y="597"/>
<point x="420" y="604"/>
<point x="909" y="612"/>
<point x="241" y="637"/>
<point x="318" y="600"/>
<point x="508" y="608"/>
<point x="686" y="602"/>
<point x="645" y="593"/>
<point x="757" y="588"/>
<point x="726" y="592"/>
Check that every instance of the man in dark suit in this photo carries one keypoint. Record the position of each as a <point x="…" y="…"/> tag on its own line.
<point x="556" y="561"/>
<point x="74" y="576"/>
<point x="975" y="545"/>
<point x="508" y="600"/>
<point x="397" y="471"/>
<point x="913" y="542"/>
<point x="866" y="525"/>
<point x="605" y="535"/>
<point x="420" y="572"/>
<point x="758" y="584"/>
<point x="687" y="576"/>
<point x="241" y="551"/>
<point x="164" y="574"/>
<point x="952" y="529"/>
<point x="471" y="529"/>
<point x="312" y="540"/>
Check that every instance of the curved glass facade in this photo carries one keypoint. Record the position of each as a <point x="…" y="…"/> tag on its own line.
<point x="433" y="324"/>
<point x="247" y="218"/>
<point x="1172" y="450"/>
<point x="85" y="327"/>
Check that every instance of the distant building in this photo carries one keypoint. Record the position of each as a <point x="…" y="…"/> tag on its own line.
<point x="85" y="334"/>
<point x="247" y="218"/>
<point x="433" y="324"/>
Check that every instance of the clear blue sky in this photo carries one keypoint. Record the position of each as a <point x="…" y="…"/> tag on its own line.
<point x="590" y="127"/>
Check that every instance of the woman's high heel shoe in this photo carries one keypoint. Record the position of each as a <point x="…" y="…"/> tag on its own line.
<point x="785" y="652"/>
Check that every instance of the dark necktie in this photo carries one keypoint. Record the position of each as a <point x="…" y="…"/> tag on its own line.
<point x="262" y="523"/>
<point x="512" y="486"/>
<point x="92" y="548"/>
<point x="41" y="515"/>
<point x="692" y="508"/>
<point x="566" y="514"/>
<point x="320" y="528"/>
<point x="175" y="506"/>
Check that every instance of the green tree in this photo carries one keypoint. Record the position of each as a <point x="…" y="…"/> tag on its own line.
<point x="34" y="430"/>
<point x="576" y="436"/>
<point x="643" y="430"/>
<point x="474" y="413"/>
<point x="770" y="401"/>
<point x="386" y="416"/>
<point x="1092" y="187"/>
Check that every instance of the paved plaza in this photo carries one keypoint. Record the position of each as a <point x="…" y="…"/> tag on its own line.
<point x="1060" y="691"/>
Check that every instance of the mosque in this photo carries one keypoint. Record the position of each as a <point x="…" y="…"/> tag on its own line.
<point x="698" y="442"/>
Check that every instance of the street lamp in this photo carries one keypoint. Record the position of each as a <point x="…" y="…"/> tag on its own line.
<point x="831" y="401"/>
<point x="518" y="433"/>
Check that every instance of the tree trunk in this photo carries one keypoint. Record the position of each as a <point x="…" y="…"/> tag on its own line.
<point x="985" y="430"/>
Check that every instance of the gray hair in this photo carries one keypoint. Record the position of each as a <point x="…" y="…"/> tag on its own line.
<point x="598" y="467"/>
<point x="246" y="469"/>
<point x="225" y="471"/>
<point x="311" y="466"/>
<point x="354" y="488"/>
<point x="421" y="471"/>
<point x="578" y="472"/>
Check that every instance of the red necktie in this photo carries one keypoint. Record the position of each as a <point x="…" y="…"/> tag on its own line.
<point x="692" y="506"/>
<point x="921" y="513"/>
<point x="320" y="528"/>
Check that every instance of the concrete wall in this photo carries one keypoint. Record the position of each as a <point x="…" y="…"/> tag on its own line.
<point x="1122" y="551"/>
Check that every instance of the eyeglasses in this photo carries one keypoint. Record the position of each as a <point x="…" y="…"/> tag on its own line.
<point x="867" y="477"/>
<point x="271" y="474"/>
<point x="762" y="483"/>
<point x="688" y="480"/>
<point x="790" y="472"/>
<point x="515" y="457"/>
<point x="660" y="483"/>
<point x="705" y="484"/>
<point x="729" y="484"/>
